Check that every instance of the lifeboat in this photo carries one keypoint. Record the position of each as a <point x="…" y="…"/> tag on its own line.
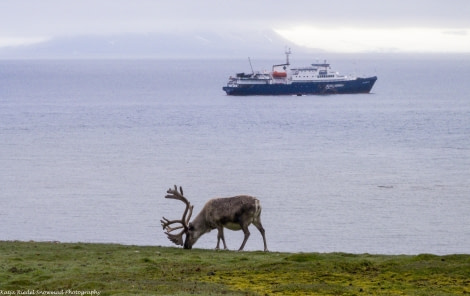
<point x="279" y="74"/>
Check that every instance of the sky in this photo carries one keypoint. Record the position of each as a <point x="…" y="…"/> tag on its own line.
<point x="333" y="25"/>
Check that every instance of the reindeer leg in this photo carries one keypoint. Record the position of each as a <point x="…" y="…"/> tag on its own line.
<point x="257" y="224"/>
<point x="247" y="235"/>
<point x="220" y="235"/>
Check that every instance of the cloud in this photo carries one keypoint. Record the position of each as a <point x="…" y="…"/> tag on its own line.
<point x="364" y="19"/>
<point x="21" y="41"/>
<point x="68" y="17"/>
<point x="379" y="40"/>
<point x="456" y="32"/>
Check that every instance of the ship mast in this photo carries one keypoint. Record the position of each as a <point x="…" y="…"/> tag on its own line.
<point x="251" y="66"/>
<point x="288" y="52"/>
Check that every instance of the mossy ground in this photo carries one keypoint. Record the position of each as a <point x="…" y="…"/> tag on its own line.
<point x="139" y="270"/>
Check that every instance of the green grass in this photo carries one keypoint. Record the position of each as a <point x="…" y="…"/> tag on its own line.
<point x="139" y="270"/>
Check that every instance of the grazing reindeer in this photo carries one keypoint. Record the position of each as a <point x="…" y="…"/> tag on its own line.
<point x="234" y="213"/>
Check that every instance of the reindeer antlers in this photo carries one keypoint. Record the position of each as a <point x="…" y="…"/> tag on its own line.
<point x="177" y="238"/>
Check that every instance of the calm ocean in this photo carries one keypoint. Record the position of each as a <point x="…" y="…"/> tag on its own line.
<point x="89" y="148"/>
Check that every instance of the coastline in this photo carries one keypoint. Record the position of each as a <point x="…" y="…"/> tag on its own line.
<point x="109" y="269"/>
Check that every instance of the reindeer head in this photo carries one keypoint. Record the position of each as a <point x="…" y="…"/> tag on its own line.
<point x="193" y="235"/>
<point x="184" y="222"/>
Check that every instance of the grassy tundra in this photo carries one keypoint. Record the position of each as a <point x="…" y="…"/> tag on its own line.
<point x="38" y="268"/>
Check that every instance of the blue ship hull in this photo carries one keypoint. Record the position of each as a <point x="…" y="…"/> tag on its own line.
<point x="358" y="85"/>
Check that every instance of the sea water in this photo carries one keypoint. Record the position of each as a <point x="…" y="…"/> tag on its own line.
<point x="88" y="149"/>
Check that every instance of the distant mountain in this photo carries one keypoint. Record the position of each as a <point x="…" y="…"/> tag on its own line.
<point x="260" y="44"/>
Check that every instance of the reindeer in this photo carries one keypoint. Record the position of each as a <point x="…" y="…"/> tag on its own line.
<point x="234" y="213"/>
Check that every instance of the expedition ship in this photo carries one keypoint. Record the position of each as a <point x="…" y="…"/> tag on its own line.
<point x="317" y="79"/>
